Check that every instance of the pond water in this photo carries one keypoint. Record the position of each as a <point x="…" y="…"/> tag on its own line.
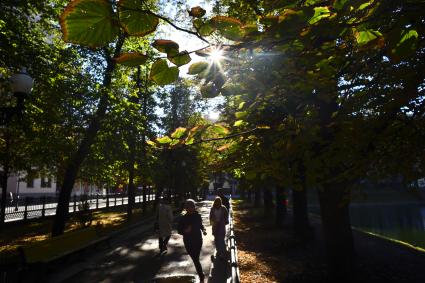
<point x="404" y="222"/>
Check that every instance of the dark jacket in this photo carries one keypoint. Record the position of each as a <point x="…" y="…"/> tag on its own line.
<point x="194" y="221"/>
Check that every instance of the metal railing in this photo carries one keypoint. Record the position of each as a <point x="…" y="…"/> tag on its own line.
<point x="231" y="243"/>
<point x="39" y="207"/>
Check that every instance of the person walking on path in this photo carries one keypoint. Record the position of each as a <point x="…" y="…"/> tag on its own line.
<point x="164" y="224"/>
<point x="219" y="218"/>
<point x="191" y="227"/>
<point x="224" y="199"/>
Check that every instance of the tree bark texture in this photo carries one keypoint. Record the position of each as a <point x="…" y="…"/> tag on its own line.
<point x="281" y="209"/>
<point x="257" y="196"/>
<point x="268" y="202"/>
<point x="301" y="222"/>
<point x="337" y="231"/>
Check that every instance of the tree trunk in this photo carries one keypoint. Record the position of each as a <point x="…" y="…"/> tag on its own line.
<point x="131" y="189"/>
<point x="334" y="207"/>
<point x="74" y="164"/>
<point x="268" y="202"/>
<point x="144" y="198"/>
<point x="257" y="196"/>
<point x="281" y="208"/>
<point x="301" y="222"/>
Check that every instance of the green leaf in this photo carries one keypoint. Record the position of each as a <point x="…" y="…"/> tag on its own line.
<point x="166" y="46"/>
<point x="131" y="59"/>
<point x="238" y="123"/>
<point x="312" y="2"/>
<point x="365" y="36"/>
<point x="197" y="68"/>
<point x="339" y="4"/>
<point x="241" y="114"/>
<point x="164" y="140"/>
<point x="241" y="105"/>
<point x="197" y="12"/>
<point x="178" y="133"/>
<point x="222" y="22"/>
<point x="230" y="89"/>
<point x="89" y="23"/>
<point x="407" y="44"/>
<point x="209" y="91"/>
<point x="180" y="59"/>
<point x="219" y="129"/>
<point x="204" y="28"/>
<point x="230" y="28"/>
<point x="190" y="141"/>
<point x="162" y="74"/>
<point x="133" y="20"/>
<point x="365" y="5"/>
<point x="319" y="13"/>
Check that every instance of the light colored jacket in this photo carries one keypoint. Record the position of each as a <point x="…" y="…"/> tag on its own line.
<point x="165" y="220"/>
<point x="219" y="224"/>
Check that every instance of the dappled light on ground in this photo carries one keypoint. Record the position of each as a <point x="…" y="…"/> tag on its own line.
<point x="265" y="253"/>
<point x="17" y="236"/>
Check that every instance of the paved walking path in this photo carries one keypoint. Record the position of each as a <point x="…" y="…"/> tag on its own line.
<point x="134" y="257"/>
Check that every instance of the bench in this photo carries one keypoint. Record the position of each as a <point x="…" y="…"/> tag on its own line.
<point x="38" y="256"/>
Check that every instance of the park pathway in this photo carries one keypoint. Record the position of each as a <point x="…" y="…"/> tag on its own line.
<point x="134" y="257"/>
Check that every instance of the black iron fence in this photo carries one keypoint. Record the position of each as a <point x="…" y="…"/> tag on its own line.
<point x="39" y="207"/>
<point x="231" y="243"/>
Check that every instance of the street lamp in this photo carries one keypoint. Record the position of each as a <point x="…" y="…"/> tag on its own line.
<point x="21" y="84"/>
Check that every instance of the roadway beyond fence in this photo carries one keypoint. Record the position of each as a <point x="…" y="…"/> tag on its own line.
<point x="31" y="207"/>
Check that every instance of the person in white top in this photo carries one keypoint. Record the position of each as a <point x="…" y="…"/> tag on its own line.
<point x="164" y="224"/>
<point x="219" y="219"/>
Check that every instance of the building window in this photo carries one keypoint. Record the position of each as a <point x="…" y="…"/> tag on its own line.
<point x="46" y="182"/>
<point x="30" y="181"/>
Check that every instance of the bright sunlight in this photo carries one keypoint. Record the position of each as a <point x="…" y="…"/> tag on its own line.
<point x="216" y="55"/>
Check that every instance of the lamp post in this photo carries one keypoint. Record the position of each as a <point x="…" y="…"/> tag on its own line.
<point x="21" y="84"/>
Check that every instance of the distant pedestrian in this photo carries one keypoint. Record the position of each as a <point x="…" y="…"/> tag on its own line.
<point x="219" y="218"/>
<point x="190" y="226"/>
<point x="224" y="199"/>
<point x="11" y="197"/>
<point x="164" y="224"/>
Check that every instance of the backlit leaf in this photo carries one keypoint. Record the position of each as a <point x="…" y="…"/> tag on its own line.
<point x="131" y="59"/>
<point x="209" y="91"/>
<point x="164" y="140"/>
<point x="89" y="22"/>
<point x="134" y="21"/>
<point x="178" y="133"/>
<point x="166" y="46"/>
<point x="180" y="59"/>
<point x="240" y="115"/>
<point x="319" y="13"/>
<point x="162" y="74"/>
<point x="197" y="68"/>
<point x="219" y="129"/>
<point x="407" y="44"/>
<point x="365" y="36"/>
